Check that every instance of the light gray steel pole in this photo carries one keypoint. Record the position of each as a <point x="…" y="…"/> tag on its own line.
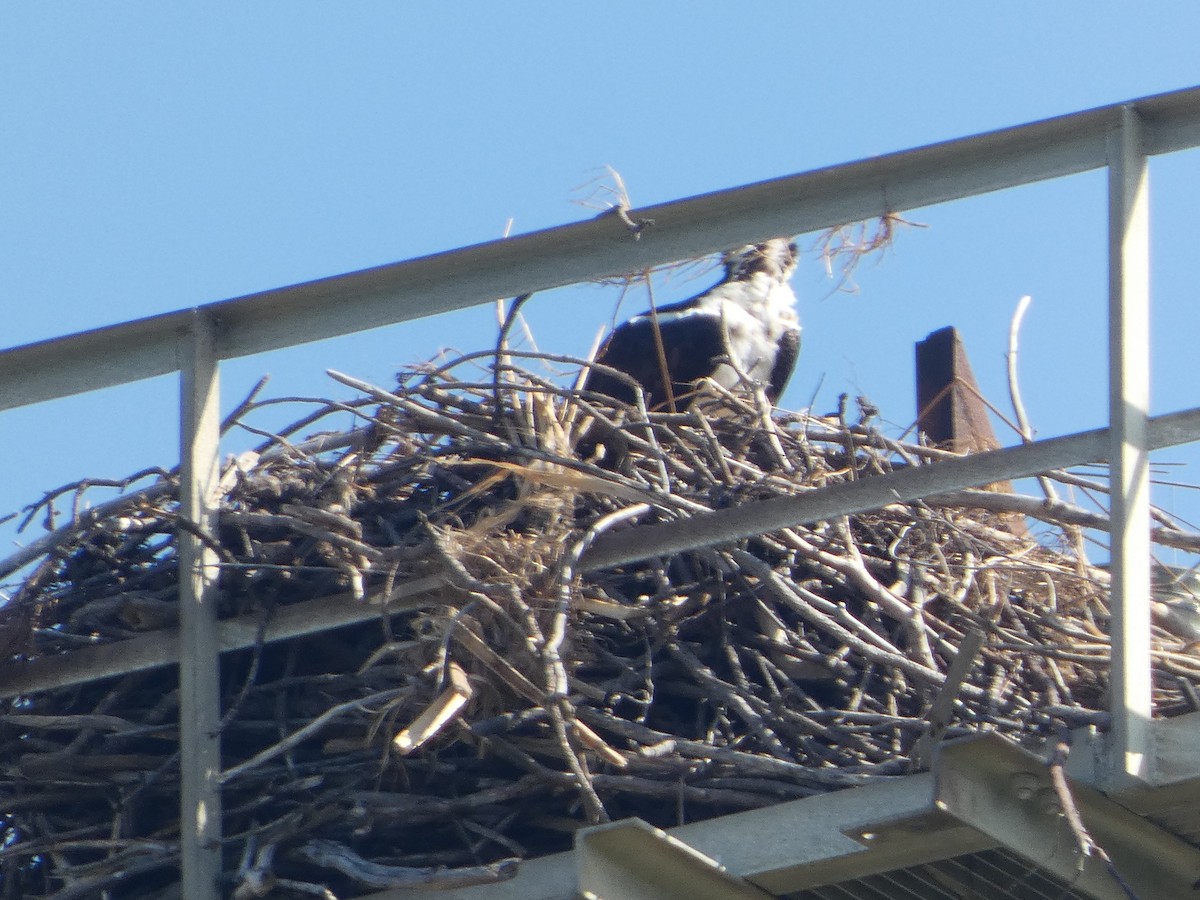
<point x="731" y="523"/>
<point x="599" y="247"/>
<point x="199" y="659"/>
<point x="1129" y="404"/>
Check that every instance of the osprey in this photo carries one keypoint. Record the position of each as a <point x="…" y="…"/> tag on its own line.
<point x="748" y="320"/>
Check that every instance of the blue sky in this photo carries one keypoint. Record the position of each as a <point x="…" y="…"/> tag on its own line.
<point x="158" y="156"/>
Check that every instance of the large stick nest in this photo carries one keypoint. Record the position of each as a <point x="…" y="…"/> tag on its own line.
<point x="524" y="697"/>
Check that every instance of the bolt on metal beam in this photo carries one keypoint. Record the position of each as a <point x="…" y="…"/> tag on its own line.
<point x="632" y="860"/>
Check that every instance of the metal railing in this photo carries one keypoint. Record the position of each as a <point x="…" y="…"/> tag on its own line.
<point x="193" y="342"/>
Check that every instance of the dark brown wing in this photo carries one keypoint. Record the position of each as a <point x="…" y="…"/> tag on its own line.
<point x="693" y="345"/>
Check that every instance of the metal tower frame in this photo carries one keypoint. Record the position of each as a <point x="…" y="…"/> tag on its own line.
<point x="192" y="342"/>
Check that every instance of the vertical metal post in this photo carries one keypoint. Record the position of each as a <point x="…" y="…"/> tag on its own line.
<point x="199" y="659"/>
<point x="1129" y="402"/>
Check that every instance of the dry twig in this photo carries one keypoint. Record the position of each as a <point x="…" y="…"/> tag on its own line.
<point x="525" y="698"/>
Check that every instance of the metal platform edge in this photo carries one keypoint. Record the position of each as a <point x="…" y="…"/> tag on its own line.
<point x="983" y="792"/>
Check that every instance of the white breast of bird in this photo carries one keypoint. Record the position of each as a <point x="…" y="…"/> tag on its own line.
<point x="754" y="328"/>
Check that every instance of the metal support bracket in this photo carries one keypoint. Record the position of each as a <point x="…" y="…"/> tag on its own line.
<point x="1004" y="792"/>
<point x="632" y="860"/>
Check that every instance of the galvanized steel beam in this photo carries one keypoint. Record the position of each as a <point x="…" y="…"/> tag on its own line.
<point x="192" y="341"/>
<point x="199" y="654"/>
<point x="748" y="519"/>
<point x="1005" y="792"/>
<point x="161" y="647"/>
<point x="984" y="792"/>
<point x="1129" y="458"/>
<point x="600" y="247"/>
<point x="632" y="860"/>
<point x="781" y="849"/>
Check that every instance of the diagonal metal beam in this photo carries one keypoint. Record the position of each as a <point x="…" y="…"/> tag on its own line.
<point x="603" y="246"/>
<point x="748" y="519"/>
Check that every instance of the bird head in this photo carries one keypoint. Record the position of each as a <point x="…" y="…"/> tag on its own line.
<point x="775" y="258"/>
